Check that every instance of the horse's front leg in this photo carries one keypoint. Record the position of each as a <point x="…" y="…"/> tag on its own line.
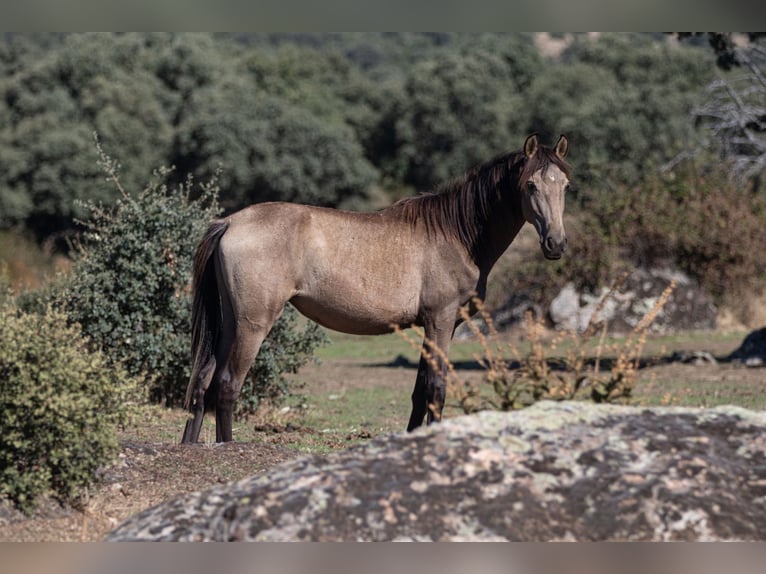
<point x="436" y="382"/>
<point x="430" y="390"/>
<point x="419" y="395"/>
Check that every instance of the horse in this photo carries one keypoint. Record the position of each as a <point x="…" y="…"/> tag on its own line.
<point x="416" y="262"/>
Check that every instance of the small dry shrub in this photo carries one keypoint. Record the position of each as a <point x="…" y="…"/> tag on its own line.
<point x="540" y="373"/>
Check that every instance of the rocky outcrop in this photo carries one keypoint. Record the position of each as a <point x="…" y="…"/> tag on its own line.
<point x="689" y="307"/>
<point x="555" y="471"/>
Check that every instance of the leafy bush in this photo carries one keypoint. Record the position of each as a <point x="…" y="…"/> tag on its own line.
<point x="130" y="291"/>
<point x="129" y="286"/>
<point x="61" y="402"/>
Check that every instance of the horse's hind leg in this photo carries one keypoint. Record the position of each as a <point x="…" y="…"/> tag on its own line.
<point x="243" y="349"/>
<point x="197" y="404"/>
<point x="193" y="427"/>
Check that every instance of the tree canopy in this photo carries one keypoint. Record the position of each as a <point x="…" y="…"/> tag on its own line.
<point x="329" y="119"/>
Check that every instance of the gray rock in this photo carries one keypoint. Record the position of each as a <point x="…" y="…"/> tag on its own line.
<point x="688" y="308"/>
<point x="514" y="310"/>
<point x="554" y="471"/>
<point x="566" y="312"/>
<point x="572" y="311"/>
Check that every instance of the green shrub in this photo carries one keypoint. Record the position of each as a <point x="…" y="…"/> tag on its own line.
<point x="130" y="291"/>
<point x="61" y="402"/>
<point x="129" y="286"/>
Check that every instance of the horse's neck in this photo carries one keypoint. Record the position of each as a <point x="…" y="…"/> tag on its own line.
<point x="503" y="224"/>
<point x="503" y="235"/>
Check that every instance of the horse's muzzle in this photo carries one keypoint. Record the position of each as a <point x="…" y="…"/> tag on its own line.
<point x="554" y="248"/>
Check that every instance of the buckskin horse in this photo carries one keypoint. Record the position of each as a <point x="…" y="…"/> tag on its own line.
<point x="415" y="262"/>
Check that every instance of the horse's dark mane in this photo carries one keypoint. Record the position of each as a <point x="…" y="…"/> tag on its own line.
<point x="459" y="208"/>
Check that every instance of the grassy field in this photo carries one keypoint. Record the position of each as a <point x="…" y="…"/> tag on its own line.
<point x="358" y="389"/>
<point x="362" y="384"/>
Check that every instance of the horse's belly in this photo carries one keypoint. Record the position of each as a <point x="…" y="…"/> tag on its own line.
<point x="357" y="315"/>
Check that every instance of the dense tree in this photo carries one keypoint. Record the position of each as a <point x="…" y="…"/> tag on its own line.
<point x="624" y="101"/>
<point x="271" y="149"/>
<point x="459" y="108"/>
<point x="48" y="112"/>
<point x="325" y="118"/>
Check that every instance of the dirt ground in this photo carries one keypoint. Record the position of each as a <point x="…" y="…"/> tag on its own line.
<point x="152" y="467"/>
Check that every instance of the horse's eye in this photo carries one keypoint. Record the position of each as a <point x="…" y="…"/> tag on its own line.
<point x="531" y="186"/>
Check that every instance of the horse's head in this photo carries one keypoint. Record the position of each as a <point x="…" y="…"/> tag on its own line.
<point x="543" y="184"/>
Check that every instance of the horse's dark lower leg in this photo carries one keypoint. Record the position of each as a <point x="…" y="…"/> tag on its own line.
<point x="436" y="393"/>
<point x="419" y="397"/>
<point x="224" y="409"/>
<point x="202" y="400"/>
<point x="430" y="391"/>
<point x="223" y="423"/>
<point x="196" y="416"/>
<point x="243" y="351"/>
<point x="193" y="428"/>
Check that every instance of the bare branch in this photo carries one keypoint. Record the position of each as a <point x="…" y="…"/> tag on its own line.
<point x="735" y="114"/>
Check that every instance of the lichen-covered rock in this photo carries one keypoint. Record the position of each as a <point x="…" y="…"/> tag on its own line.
<point x="555" y="471"/>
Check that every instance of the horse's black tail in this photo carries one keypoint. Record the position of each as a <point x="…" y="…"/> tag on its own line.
<point x="206" y="309"/>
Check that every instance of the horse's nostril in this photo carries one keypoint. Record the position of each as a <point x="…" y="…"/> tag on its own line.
<point x="555" y="246"/>
<point x="549" y="243"/>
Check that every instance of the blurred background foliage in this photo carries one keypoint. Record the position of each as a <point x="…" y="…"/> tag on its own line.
<point x="358" y="120"/>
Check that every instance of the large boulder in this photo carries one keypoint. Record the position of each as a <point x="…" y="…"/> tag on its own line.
<point x="688" y="308"/>
<point x="555" y="471"/>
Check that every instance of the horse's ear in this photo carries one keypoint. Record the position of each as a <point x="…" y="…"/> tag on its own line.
<point x="530" y="145"/>
<point x="562" y="146"/>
